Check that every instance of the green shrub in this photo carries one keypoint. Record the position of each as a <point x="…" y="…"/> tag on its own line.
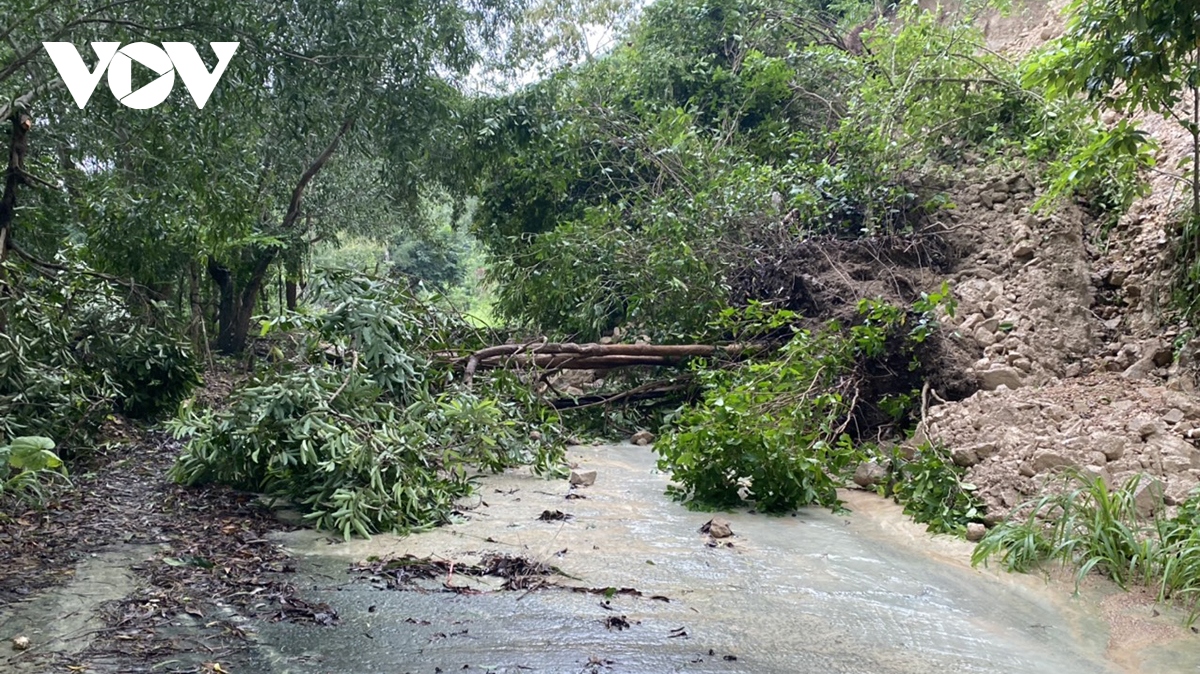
<point x="931" y="489"/>
<point x="75" y="350"/>
<point x="773" y="433"/>
<point x="361" y="429"/>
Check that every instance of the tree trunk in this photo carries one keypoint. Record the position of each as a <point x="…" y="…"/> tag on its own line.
<point x="196" y="325"/>
<point x="13" y="178"/>
<point x="1190" y="240"/>
<point x="293" y="277"/>
<point x="292" y="294"/>
<point x="238" y="298"/>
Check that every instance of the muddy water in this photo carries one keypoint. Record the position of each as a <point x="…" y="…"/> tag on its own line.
<point x="63" y="620"/>
<point x="863" y="592"/>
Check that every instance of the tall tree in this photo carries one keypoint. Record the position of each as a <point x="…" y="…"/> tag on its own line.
<point x="157" y="195"/>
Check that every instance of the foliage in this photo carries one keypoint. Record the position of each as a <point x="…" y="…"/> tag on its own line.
<point x="644" y="187"/>
<point x="76" y="350"/>
<point x="554" y="34"/>
<point x="931" y="488"/>
<point x="362" y="430"/>
<point x="1094" y="527"/>
<point x="323" y="122"/>
<point x="27" y="465"/>
<point x="773" y="433"/>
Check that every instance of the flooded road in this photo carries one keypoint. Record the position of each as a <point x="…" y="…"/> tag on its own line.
<point x="866" y="591"/>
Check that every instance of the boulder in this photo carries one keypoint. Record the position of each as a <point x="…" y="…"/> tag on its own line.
<point x="642" y="438"/>
<point x="869" y="473"/>
<point x="992" y="379"/>
<point x="1112" y="446"/>
<point x="964" y="456"/>
<point x="1146" y="427"/>
<point x="1148" y="497"/>
<point x="1046" y="460"/>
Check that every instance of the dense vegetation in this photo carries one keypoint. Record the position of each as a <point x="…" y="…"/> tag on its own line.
<point x="354" y="212"/>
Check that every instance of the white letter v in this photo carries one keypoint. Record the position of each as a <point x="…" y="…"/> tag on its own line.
<point x="80" y="82"/>
<point x="199" y="82"/>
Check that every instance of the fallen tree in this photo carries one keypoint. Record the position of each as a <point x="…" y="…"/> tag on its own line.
<point x="571" y="356"/>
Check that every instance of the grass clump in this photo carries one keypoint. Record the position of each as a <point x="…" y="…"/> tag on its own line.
<point x="1094" y="527"/>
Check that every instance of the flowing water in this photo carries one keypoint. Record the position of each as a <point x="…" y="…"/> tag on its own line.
<point x="866" y="591"/>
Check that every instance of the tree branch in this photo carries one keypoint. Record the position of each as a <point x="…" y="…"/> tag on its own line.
<point x="293" y="212"/>
<point x="23" y="101"/>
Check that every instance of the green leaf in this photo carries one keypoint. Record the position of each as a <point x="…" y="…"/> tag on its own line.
<point x="33" y="453"/>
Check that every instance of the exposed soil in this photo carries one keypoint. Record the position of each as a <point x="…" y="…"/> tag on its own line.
<point x="1080" y="364"/>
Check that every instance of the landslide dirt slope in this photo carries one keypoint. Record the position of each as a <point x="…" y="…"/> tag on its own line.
<point x="1077" y="365"/>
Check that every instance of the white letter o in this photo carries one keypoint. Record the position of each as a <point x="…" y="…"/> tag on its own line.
<point x="120" y="75"/>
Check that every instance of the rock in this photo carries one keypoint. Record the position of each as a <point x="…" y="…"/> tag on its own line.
<point x="1047" y="460"/>
<point x="1116" y="277"/>
<point x="642" y="438"/>
<point x="1176" y="464"/>
<point x="984" y="450"/>
<point x="1146" y="427"/>
<point x="1121" y="405"/>
<point x="868" y="474"/>
<point x="976" y="531"/>
<point x="990" y="324"/>
<point x="717" y="527"/>
<point x="20" y="643"/>
<point x="964" y="456"/>
<point x="1148" y="497"/>
<point x="1173" y="416"/>
<point x="1023" y="249"/>
<point x="583" y="478"/>
<point x="1094" y="472"/>
<point x="994" y="378"/>
<point x="1139" y="370"/>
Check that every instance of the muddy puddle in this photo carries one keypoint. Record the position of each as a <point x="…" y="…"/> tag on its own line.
<point x="816" y="592"/>
<point x="63" y="620"/>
